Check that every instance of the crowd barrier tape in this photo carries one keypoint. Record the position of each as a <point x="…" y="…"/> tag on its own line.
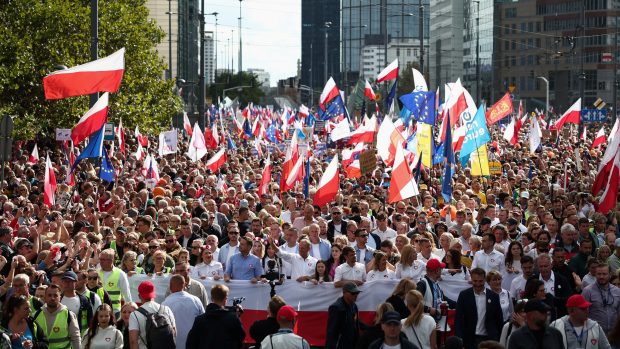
<point x="310" y="300"/>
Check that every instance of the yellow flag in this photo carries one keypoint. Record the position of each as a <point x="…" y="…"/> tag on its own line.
<point x="479" y="162"/>
<point x="425" y="133"/>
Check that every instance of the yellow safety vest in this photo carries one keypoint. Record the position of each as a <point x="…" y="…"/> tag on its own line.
<point x="58" y="337"/>
<point x="113" y="287"/>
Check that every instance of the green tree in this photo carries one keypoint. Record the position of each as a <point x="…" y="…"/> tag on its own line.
<point x="36" y="35"/>
<point x="252" y="93"/>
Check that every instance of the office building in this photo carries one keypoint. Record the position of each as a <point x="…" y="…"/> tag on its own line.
<point x="315" y="64"/>
<point x="446" y="44"/>
<point x="478" y="29"/>
<point x="165" y="14"/>
<point x="209" y="51"/>
<point x="262" y="76"/>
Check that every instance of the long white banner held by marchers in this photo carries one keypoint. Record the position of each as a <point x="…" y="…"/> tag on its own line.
<point x="304" y="296"/>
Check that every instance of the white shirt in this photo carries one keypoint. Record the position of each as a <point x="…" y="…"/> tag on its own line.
<point x="389" y="233"/>
<point x="549" y="284"/>
<point x="316" y="250"/>
<point x="356" y="272"/>
<point x="299" y="265"/>
<point x="488" y="261"/>
<point x="423" y="331"/>
<point x="504" y="302"/>
<point x="375" y="275"/>
<point x="106" y="338"/>
<point x="481" y="309"/>
<point x="185" y="307"/>
<point x="72" y="303"/>
<point x="137" y="321"/>
<point x="286" y="266"/>
<point x="337" y="230"/>
<point x="425" y="260"/>
<point x="517" y="287"/>
<point x="464" y="243"/>
<point x="210" y="270"/>
<point x="415" y="272"/>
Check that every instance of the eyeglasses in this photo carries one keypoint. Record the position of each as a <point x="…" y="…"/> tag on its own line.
<point x="417" y="241"/>
<point x="168" y="241"/>
<point x="94" y="277"/>
<point x="522" y="301"/>
<point x="337" y="213"/>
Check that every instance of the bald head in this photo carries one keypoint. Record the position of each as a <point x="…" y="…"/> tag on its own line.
<point x="177" y="283"/>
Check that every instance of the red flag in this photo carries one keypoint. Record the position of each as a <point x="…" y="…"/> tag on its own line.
<point x="217" y="160"/>
<point x="49" y="196"/>
<point x="120" y="135"/>
<point x="330" y="91"/>
<point x="607" y="162"/>
<point x="402" y="184"/>
<point x="186" y="124"/>
<point x="365" y="133"/>
<point x="92" y="121"/>
<point x="389" y="73"/>
<point x="600" y="138"/>
<point x="263" y="186"/>
<point x="500" y="110"/>
<point x="328" y="185"/>
<point x="210" y="140"/>
<point x="143" y="140"/>
<point x="34" y="156"/>
<point x="368" y="92"/>
<point x="609" y="198"/>
<point x="572" y="115"/>
<point x="388" y="141"/>
<point x="102" y="75"/>
<point x="290" y="159"/>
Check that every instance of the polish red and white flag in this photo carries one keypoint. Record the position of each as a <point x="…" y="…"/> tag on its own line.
<point x="49" y="197"/>
<point x="34" y="156"/>
<point x="102" y="75"/>
<point x="389" y="73"/>
<point x="217" y="160"/>
<point x="328" y="185"/>
<point x="600" y="138"/>
<point x="92" y="121"/>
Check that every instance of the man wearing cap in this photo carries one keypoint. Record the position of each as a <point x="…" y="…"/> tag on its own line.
<point x="488" y="258"/>
<point x="57" y="322"/>
<point x="485" y="226"/>
<point x="285" y="338"/>
<point x="343" y="323"/>
<point x="76" y="303"/>
<point x="577" y="330"/>
<point x="536" y="333"/>
<point x="137" y="319"/>
<point x="392" y="338"/>
<point x="605" y="299"/>
<point x="478" y="312"/>
<point x="428" y="286"/>
<point x="28" y="249"/>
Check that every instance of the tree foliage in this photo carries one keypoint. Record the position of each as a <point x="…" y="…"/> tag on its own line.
<point x="253" y="93"/>
<point x="36" y="36"/>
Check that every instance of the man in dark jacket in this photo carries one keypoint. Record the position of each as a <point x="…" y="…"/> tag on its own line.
<point x="391" y="325"/>
<point x="218" y="327"/>
<point x="536" y="333"/>
<point x="263" y="328"/>
<point x="343" y="324"/>
<point x="478" y="312"/>
<point x="555" y="285"/>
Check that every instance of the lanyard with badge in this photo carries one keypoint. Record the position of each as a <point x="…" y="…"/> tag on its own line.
<point x="580" y="335"/>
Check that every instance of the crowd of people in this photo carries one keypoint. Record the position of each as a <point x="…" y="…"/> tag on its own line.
<point x="541" y="263"/>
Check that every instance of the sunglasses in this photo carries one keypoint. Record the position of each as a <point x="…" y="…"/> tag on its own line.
<point x="169" y="241"/>
<point x="417" y="241"/>
<point x="93" y="277"/>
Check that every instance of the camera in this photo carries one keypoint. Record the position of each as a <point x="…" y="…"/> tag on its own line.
<point x="273" y="276"/>
<point x="236" y="305"/>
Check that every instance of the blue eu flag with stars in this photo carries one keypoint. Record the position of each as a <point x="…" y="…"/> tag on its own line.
<point x="421" y="105"/>
<point x="335" y="109"/>
<point x="107" y="170"/>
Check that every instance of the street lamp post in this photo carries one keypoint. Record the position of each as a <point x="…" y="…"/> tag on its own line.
<point x="546" y="94"/>
<point x="240" y="46"/>
<point x="94" y="40"/>
<point x="421" y="32"/>
<point x="201" y="79"/>
<point x="477" y="2"/>
<point x="325" y="68"/>
<point x="169" y="13"/>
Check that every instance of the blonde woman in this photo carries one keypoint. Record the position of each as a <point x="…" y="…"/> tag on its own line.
<point x="419" y="328"/>
<point x="159" y="260"/>
<point x="374" y="332"/>
<point x="409" y="266"/>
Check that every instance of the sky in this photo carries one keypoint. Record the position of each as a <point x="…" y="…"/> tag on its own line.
<point x="271" y="34"/>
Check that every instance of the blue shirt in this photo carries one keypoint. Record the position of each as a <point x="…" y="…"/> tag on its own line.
<point x="244" y="268"/>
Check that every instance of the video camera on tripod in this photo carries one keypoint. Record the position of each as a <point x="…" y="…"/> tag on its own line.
<point x="273" y="276"/>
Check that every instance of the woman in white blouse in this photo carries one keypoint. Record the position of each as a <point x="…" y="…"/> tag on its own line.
<point x="494" y="279"/>
<point x="207" y="268"/>
<point x="409" y="266"/>
<point x="102" y="333"/>
<point x="419" y="328"/>
<point x="380" y="270"/>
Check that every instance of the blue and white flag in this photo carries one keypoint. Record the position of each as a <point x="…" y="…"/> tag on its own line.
<point x="422" y="106"/>
<point x="477" y="133"/>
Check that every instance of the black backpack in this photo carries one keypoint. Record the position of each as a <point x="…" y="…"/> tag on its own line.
<point x="159" y="331"/>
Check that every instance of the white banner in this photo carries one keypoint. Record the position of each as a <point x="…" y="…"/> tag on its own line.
<point x="168" y="142"/>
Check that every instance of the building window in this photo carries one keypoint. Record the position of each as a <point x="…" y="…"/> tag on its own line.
<point x="511" y="12"/>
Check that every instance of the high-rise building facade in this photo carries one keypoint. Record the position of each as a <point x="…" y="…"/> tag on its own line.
<point x="389" y="21"/>
<point x="165" y="14"/>
<point x="446" y="42"/>
<point x="320" y="42"/>
<point x="209" y="51"/>
<point x="478" y="29"/>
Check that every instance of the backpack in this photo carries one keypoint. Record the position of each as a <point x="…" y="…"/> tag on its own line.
<point x="159" y="331"/>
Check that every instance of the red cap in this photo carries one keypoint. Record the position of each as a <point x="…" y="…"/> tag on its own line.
<point x="433" y="264"/>
<point x="146" y="290"/>
<point x="577" y="301"/>
<point x="287" y="313"/>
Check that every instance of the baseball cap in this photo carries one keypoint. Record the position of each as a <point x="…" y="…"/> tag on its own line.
<point x="617" y="242"/>
<point x="512" y="221"/>
<point x="390" y="317"/>
<point x="525" y="195"/>
<point x="485" y="220"/>
<point x="577" y="301"/>
<point x="433" y="264"/>
<point x="150" y="202"/>
<point x="69" y="275"/>
<point x="351" y="288"/>
<point x="146" y="290"/>
<point x="536" y="305"/>
<point x="287" y="313"/>
<point x="243" y="203"/>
